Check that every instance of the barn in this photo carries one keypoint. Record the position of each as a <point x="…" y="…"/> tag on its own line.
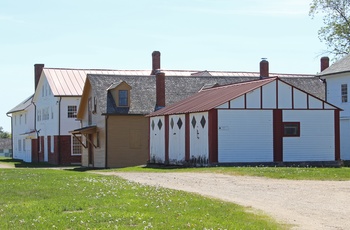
<point x="260" y="121"/>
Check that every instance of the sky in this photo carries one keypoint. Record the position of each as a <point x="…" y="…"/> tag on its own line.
<point x="121" y="34"/>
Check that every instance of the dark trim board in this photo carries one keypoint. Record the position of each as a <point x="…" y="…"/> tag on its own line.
<point x="277" y="135"/>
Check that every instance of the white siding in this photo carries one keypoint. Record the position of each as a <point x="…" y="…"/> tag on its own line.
<point x="18" y="130"/>
<point x="199" y="146"/>
<point x="99" y="154"/>
<point x="345" y="139"/>
<point x="334" y="97"/>
<point x="253" y="99"/>
<point x="68" y="124"/>
<point x="334" y="93"/>
<point x="284" y="96"/>
<point x="269" y="95"/>
<point x="176" y="139"/>
<point x="245" y="136"/>
<point x="300" y="99"/>
<point x="238" y="103"/>
<point x="315" y="103"/>
<point x="223" y="106"/>
<point x="316" y="141"/>
<point x="157" y="140"/>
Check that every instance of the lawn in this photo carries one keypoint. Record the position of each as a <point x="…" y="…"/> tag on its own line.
<point x="291" y="173"/>
<point x="33" y="198"/>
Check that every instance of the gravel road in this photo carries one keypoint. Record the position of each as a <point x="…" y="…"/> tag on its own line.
<point x="303" y="204"/>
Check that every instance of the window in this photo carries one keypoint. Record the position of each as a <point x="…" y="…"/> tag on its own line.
<point x="344" y="93"/>
<point x="98" y="139"/>
<point x="52" y="144"/>
<point x="39" y="115"/>
<point x="25" y="118"/>
<point x="19" y="145"/>
<point x="90" y="111"/>
<point x="45" y="114"/>
<point x="76" y="147"/>
<point x="123" y="98"/>
<point x="24" y="145"/>
<point x="291" y="129"/>
<point x="72" y="111"/>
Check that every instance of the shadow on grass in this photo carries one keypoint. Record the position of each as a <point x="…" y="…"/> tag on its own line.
<point x="21" y="164"/>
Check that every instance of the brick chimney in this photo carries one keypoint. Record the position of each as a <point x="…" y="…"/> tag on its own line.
<point x="160" y="90"/>
<point x="38" y="68"/>
<point x="324" y="63"/>
<point x="155" y="62"/>
<point x="264" y="68"/>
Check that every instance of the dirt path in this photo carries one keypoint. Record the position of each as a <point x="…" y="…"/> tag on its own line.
<point x="6" y="166"/>
<point x="304" y="204"/>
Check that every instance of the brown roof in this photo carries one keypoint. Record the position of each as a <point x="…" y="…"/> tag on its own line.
<point x="210" y="98"/>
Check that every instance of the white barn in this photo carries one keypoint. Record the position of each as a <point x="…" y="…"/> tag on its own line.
<point x="258" y="121"/>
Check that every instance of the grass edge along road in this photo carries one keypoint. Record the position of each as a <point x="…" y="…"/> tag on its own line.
<point x="290" y="173"/>
<point x="67" y="199"/>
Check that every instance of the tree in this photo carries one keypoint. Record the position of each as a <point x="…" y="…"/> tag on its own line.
<point x="336" y="30"/>
<point x="4" y="134"/>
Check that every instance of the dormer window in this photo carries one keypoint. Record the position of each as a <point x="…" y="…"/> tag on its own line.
<point x="123" y="98"/>
<point x="121" y="92"/>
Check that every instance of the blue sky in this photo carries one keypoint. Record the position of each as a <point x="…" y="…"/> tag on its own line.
<point x="121" y="34"/>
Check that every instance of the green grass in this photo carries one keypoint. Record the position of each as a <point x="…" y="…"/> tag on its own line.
<point x="291" y="173"/>
<point x="22" y="164"/>
<point x="66" y="199"/>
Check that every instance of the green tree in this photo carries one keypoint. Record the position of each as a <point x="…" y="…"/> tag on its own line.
<point x="4" y="134"/>
<point x="336" y="30"/>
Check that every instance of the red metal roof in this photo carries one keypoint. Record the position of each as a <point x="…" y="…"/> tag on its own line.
<point x="210" y="98"/>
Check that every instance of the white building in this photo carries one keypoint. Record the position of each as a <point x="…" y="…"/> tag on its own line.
<point x="337" y="81"/>
<point x="261" y="121"/>
<point x="23" y="130"/>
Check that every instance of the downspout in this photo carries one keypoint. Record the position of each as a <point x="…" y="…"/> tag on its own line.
<point x="12" y="144"/>
<point x="106" y="140"/>
<point x="59" y="131"/>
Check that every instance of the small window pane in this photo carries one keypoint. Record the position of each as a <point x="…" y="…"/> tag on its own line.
<point x="123" y="98"/>
<point x="344" y="93"/>
<point x="72" y="111"/>
<point x="77" y="149"/>
<point x="291" y="129"/>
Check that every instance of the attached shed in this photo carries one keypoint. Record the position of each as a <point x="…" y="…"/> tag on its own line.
<point x="259" y="121"/>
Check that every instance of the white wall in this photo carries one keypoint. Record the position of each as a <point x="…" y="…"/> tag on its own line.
<point x="176" y="139"/>
<point x="334" y="93"/>
<point x="245" y="136"/>
<point x="316" y="141"/>
<point x="334" y="96"/>
<point x="199" y="145"/>
<point x="157" y="140"/>
<point x="57" y="121"/>
<point x="23" y="122"/>
<point x="99" y="156"/>
<point x="284" y="95"/>
<point x="345" y="139"/>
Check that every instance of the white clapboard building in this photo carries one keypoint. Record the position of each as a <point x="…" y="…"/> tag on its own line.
<point x="266" y="120"/>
